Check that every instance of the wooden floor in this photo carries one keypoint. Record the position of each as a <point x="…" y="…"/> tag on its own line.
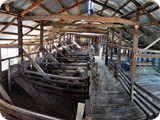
<point x="111" y="102"/>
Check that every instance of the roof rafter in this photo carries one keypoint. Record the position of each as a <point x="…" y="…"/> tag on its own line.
<point x="31" y="7"/>
<point x="59" y="4"/>
<point x="71" y="7"/>
<point x="99" y="3"/>
<point x="40" y="7"/>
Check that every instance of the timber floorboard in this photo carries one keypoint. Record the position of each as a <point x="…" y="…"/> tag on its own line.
<point x="110" y="101"/>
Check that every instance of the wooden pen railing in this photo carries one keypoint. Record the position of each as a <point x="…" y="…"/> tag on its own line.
<point x="145" y="100"/>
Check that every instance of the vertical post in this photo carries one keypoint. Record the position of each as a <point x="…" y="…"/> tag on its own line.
<point x="20" y="40"/>
<point x="111" y="46"/>
<point x="119" y="52"/>
<point x="103" y="39"/>
<point x="59" y="38"/>
<point x="41" y="36"/>
<point x="0" y="67"/>
<point x="106" y="58"/>
<point x="134" y="51"/>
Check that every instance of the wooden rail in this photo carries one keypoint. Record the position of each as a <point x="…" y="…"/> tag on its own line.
<point x="145" y="100"/>
<point x="95" y="75"/>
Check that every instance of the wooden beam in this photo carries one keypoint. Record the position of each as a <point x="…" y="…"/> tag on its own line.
<point x="59" y="4"/>
<point x="31" y="7"/>
<point x="111" y="46"/>
<point x="80" y="17"/>
<point x="101" y="4"/>
<point x="12" y="33"/>
<point x="7" y="7"/>
<point x="84" y="25"/>
<point x="120" y="8"/>
<point x="82" y="30"/>
<point x="8" y="13"/>
<point x="106" y="57"/>
<point x="134" y="51"/>
<point x="71" y="7"/>
<point x="4" y="94"/>
<point x="27" y="87"/>
<point x="20" y="40"/>
<point x="145" y="11"/>
<point x="33" y="28"/>
<point x="7" y="25"/>
<point x="148" y="55"/>
<point x="119" y="51"/>
<point x="34" y="63"/>
<point x="43" y="9"/>
<point x="41" y="36"/>
<point x="150" y="45"/>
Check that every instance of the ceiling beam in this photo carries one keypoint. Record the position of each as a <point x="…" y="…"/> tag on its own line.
<point x="31" y="7"/>
<point x="101" y="4"/>
<point x="40" y="7"/>
<point x="71" y="7"/>
<point x="82" y="30"/>
<point x="120" y="8"/>
<point x="80" y="17"/>
<point x="59" y="4"/>
<point x="84" y="25"/>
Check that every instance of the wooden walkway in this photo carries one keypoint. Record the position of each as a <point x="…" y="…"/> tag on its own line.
<point x="111" y="102"/>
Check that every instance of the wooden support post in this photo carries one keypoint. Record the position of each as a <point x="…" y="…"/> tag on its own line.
<point x="134" y="51"/>
<point x="111" y="46"/>
<point x="119" y="52"/>
<point x="41" y="36"/>
<point x="106" y="58"/>
<point x="20" y="40"/>
<point x="60" y="34"/>
<point x="0" y="67"/>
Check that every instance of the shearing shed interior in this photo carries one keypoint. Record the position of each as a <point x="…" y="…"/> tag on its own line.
<point x="79" y="59"/>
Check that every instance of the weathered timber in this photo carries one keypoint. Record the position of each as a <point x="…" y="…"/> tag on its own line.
<point x="80" y="111"/>
<point x="27" y="87"/>
<point x="80" y="17"/>
<point x="19" y="113"/>
<point x="55" y="76"/>
<point x="5" y="94"/>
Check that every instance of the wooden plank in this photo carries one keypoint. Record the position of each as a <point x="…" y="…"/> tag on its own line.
<point x="31" y="7"/>
<point x="80" y="111"/>
<point x="106" y="58"/>
<point x="5" y="94"/>
<point x="80" y="17"/>
<point x="27" y="87"/>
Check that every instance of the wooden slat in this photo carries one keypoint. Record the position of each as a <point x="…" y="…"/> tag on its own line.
<point x="27" y="87"/>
